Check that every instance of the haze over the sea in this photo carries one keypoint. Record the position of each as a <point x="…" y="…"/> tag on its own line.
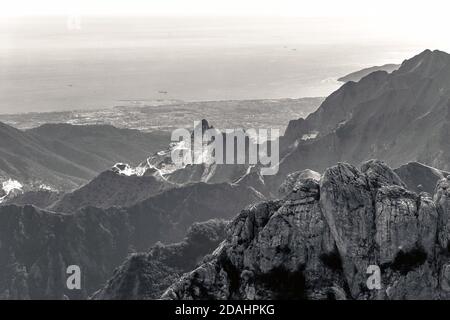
<point x="48" y="64"/>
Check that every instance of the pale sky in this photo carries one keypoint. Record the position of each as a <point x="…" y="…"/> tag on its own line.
<point x="428" y="10"/>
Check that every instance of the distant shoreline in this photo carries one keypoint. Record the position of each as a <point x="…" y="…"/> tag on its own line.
<point x="170" y="115"/>
<point x="161" y="103"/>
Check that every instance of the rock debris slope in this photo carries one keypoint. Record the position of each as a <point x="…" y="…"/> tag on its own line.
<point x="318" y="242"/>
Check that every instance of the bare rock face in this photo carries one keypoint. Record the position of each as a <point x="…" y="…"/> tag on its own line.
<point x="271" y="245"/>
<point x="319" y="240"/>
<point x="442" y="200"/>
<point x="347" y="204"/>
<point x="295" y="181"/>
<point x="403" y="223"/>
<point x="379" y="174"/>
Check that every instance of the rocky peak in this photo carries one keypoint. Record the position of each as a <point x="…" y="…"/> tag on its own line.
<point x="427" y="63"/>
<point x="302" y="186"/>
<point x="380" y="174"/>
<point x="203" y="125"/>
<point x="321" y="248"/>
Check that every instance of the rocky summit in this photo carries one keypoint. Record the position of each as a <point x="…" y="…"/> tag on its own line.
<point x="321" y="239"/>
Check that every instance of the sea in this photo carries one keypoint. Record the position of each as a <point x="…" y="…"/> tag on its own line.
<point x="60" y="63"/>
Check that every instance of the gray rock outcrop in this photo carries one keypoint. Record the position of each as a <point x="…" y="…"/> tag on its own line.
<point x="319" y="240"/>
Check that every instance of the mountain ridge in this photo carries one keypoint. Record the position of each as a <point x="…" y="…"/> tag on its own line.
<point x="358" y="75"/>
<point x="399" y="118"/>
<point x="66" y="156"/>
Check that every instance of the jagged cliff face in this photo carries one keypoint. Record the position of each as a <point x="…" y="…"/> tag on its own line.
<point x="318" y="242"/>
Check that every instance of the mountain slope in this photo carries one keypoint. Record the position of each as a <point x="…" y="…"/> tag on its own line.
<point x="175" y="210"/>
<point x="40" y="198"/>
<point x="104" y="141"/>
<point x="111" y="189"/>
<point x="399" y="117"/>
<point x="358" y="75"/>
<point x="38" y="245"/>
<point x="65" y="156"/>
<point x="148" y="275"/>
